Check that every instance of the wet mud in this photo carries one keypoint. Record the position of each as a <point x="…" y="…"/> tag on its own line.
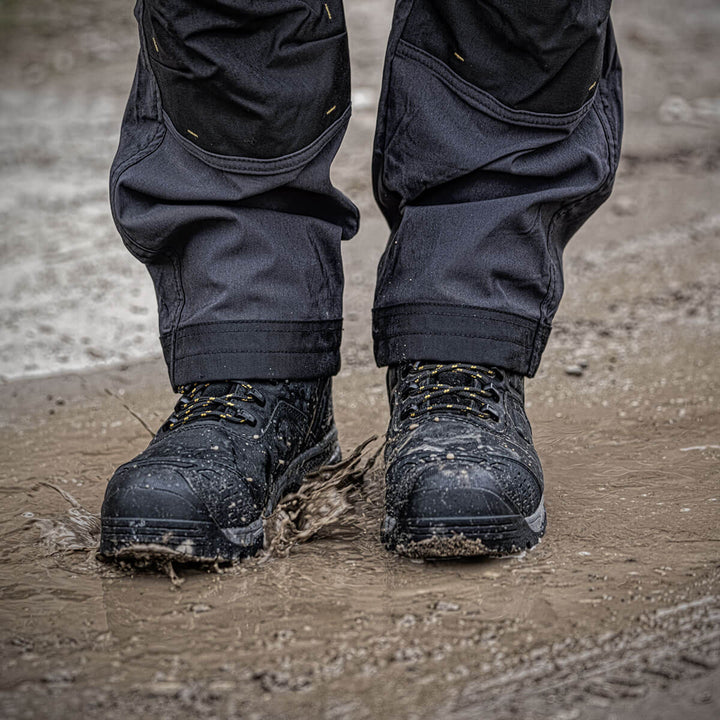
<point x="616" y="613"/>
<point x="617" y="605"/>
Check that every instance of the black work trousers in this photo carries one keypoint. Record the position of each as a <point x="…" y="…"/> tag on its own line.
<point x="498" y="134"/>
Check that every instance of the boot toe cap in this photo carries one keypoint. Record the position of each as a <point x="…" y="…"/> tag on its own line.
<point x="152" y="491"/>
<point x="466" y="488"/>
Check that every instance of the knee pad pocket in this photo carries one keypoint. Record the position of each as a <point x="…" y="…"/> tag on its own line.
<point x="250" y="79"/>
<point x="543" y="57"/>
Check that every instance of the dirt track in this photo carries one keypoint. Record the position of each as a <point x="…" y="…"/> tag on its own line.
<point x="615" y="614"/>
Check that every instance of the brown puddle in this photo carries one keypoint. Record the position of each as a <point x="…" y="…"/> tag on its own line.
<point x="327" y="622"/>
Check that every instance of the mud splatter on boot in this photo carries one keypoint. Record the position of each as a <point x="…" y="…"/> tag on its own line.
<point x="462" y="477"/>
<point x="217" y="467"/>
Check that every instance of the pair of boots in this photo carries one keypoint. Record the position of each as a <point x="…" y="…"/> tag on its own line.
<point x="462" y="475"/>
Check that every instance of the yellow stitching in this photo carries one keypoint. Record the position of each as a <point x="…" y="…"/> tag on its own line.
<point x="197" y="136"/>
<point x="328" y="11"/>
<point x="459" y="57"/>
<point x="592" y="86"/>
<point x="331" y="109"/>
<point x="157" y="49"/>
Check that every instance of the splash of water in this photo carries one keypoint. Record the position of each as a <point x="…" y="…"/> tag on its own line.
<point x="79" y="530"/>
<point x="327" y="498"/>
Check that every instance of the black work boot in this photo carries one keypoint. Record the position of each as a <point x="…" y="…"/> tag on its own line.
<point x="219" y="464"/>
<point x="463" y="477"/>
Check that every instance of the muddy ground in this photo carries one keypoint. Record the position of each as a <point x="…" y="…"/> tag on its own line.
<point x="615" y="614"/>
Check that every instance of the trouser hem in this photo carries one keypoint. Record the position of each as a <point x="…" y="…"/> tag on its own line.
<point x="257" y="350"/>
<point x="451" y="333"/>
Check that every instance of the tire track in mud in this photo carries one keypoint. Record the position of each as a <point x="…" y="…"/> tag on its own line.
<point x="675" y="643"/>
<point x="567" y="679"/>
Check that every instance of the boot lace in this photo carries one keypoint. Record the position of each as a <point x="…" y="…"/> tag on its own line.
<point x="435" y="387"/>
<point x="199" y="401"/>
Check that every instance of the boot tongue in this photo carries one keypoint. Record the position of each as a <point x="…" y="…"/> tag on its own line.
<point x="456" y="378"/>
<point x="453" y="378"/>
<point x="221" y="388"/>
<point x="216" y="389"/>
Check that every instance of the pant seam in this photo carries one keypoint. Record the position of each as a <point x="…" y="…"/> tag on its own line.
<point x="199" y="326"/>
<point x="264" y="351"/>
<point x="301" y="331"/>
<point x="481" y="315"/>
<point x="490" y="314"/>
<point x="308" y="326"/>
<point x="390" y="336"/>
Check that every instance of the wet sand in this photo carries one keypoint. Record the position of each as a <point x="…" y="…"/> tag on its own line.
<point x="615" y="614"/>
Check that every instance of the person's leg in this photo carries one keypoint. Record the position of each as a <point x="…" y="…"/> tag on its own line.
<point x="221" y="183"/>
<point x="221" y="187"/>
<point x="498" y="135"/>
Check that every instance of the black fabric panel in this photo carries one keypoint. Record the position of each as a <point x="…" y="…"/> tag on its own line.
<point x="249" y="78"/>
<point x="538" y="56"/>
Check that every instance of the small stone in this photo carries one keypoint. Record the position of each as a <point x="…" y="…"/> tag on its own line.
<point x="444" y="606"/>
<point x="164" y="688"/>
<point x="575" y="370"/>
<point x="407" y="621"/>
<point x="450" y="456"/>
<point x="59" y="676"/>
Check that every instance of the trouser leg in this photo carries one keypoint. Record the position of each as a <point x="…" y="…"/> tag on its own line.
<point x="221" y="183"/>
<point x="498" y="135"/>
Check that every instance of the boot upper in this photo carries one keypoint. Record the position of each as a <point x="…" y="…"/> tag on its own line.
<point x="459" y="443"/>
<point x="220" y="454"/>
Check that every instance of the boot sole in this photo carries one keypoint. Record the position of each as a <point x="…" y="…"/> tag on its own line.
<point x="456" y="537"/>
<point x="148" y="539"/>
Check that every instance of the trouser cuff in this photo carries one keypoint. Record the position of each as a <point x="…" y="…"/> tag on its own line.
<point x="252" y="350"/>
<point x="450" y="333"/>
